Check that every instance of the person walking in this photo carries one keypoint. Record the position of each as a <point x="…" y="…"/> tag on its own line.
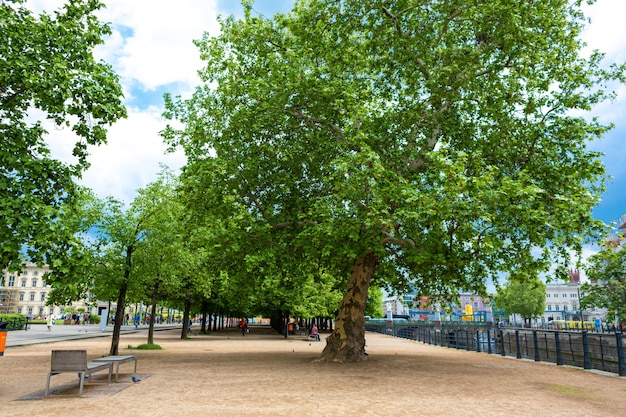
<point x="244" y="325"/>
<point x="50" y="322"/>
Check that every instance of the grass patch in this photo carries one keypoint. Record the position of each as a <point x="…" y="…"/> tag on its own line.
<point x="570" y="391"/>
<point x="146" y="346"/>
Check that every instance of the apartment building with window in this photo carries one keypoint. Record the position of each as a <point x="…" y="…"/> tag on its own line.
<point x="26" y="293"/>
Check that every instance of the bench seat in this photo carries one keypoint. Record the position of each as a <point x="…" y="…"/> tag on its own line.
<point x="75" y="361"/>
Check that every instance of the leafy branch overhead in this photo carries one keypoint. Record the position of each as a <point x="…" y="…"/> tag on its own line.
<point x="48" y="71"/>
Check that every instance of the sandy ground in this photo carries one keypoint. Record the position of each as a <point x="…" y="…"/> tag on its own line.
<point x="264" y="374"/>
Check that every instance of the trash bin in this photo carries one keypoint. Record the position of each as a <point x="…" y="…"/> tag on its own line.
<point x="3" y="336"/>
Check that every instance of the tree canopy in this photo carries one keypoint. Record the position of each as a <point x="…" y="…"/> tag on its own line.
<point x="431" y="145"/>
<point x="607" y="272"/>
<point x="47" y="70"/>
<point x="525" y="297"/>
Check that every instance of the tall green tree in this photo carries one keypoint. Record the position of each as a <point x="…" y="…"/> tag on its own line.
<point x="412" y="143"/>
<point x="159" y="259"/>
<point x="47" y="68"/>
<point x="525" y="297"/>
<point x="607" y="272"/>
<point x="120" y="235"/>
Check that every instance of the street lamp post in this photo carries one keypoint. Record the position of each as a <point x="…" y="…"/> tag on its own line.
<point x="580" y="309"/>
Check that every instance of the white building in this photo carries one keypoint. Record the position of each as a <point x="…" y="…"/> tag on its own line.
<point x="563" y="302"/>
<point x="26" y="293"/>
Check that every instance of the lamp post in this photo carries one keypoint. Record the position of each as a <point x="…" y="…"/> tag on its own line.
<point x="580" y="309"/>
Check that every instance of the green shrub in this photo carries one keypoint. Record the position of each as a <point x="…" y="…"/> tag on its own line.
<point x="146" y="346"/>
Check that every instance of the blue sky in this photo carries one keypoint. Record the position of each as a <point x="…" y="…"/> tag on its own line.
<point x="152" y="51"/>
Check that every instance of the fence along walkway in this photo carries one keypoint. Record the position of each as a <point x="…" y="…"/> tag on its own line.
<point x="583" y="349"/>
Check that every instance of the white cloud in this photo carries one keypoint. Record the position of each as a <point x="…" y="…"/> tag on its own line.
<point x="132" y="156"/>
<point x="151" y="47"/>
<point x="607" y="31"/>
<point x="152" y="43"/>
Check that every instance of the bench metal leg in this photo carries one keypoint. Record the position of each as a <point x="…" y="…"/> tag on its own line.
<point x="45" y="394"/>
<point x="81" y="376"/>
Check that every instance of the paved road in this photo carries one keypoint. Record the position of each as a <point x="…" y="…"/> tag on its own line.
<point x="38" y="333"/>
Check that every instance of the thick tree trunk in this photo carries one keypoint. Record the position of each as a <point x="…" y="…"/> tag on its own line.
<point x="347" y="342"/>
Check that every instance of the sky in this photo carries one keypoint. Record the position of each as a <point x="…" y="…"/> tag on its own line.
<point x="151" y="49"/>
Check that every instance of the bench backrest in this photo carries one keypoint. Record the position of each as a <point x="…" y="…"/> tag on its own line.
<point x="68" y="360"/>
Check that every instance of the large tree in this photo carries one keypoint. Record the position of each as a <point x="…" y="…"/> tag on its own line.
<point x="422" y="143"/>
<point x="524" y="296"/>
<point x="47" y="70"/>
<point x="607" y="289"/>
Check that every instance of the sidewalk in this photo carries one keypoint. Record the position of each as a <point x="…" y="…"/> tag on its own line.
<point x="38" y="333"/>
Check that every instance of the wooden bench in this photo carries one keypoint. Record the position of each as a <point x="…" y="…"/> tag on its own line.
<point x="68" y="361"/>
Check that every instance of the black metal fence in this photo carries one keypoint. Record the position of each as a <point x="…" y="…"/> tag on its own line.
<point x="583" y="349"/>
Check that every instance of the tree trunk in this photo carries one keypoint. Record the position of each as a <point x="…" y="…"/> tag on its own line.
<point x="155" y="297"/>
<point x="121" y="302"/>
<point x="186" y="314"/>
<point x="347" y="342"/>
<point x="119" y="318"/>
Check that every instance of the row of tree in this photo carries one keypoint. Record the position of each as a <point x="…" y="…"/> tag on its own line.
<point x="345" y="145"/>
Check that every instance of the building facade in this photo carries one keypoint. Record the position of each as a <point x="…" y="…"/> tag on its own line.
<point x="469" y="307"/>
<point x="26" y="293"/>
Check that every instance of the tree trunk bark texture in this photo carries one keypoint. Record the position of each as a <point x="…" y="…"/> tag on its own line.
<point x="153" y="307"/>
<point x="347" y="341"/>
<point x="119" y="319"/>
<point x="183" y="334"/>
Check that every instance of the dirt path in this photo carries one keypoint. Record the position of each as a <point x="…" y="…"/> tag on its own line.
<point x="263" y="374"/>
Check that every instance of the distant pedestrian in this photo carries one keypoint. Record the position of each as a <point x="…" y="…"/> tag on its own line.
<point x="315" y="333"/>
<point x="50" y="322"/>
<point x="243" y="324"/>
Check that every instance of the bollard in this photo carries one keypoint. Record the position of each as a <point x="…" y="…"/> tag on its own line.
<point x="3" y="336"/>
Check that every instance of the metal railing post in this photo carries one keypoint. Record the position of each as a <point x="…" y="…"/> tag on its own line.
<point x="620" y="354"/>
<point x="586" y="355"/>
<point x="557" y="344"/>
<point x="536" y="343"/>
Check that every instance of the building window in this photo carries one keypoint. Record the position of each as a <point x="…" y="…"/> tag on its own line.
<point x="549" y="307"/>
<point x="574" y="306"/>
<point x="19" y="310"/>
<point x="547" y="295"/>
<point x="43" y="284"/>
<point x="11" y="281"/>
<point x="34" y="283"/>
<point x="41" y="311"/>
<point x="23" y="283"/>
<point x="21" y="297"/>
<point x="556" y="295"/>
<point x="51" y="310"/>
<point x="43" y="296"/>
<point x="556" y="307"/>
<point x="565" y="307"/>
<point x="30" y="311"/>
<point x="35" y="273"/>
<point x="32" y="297"/>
